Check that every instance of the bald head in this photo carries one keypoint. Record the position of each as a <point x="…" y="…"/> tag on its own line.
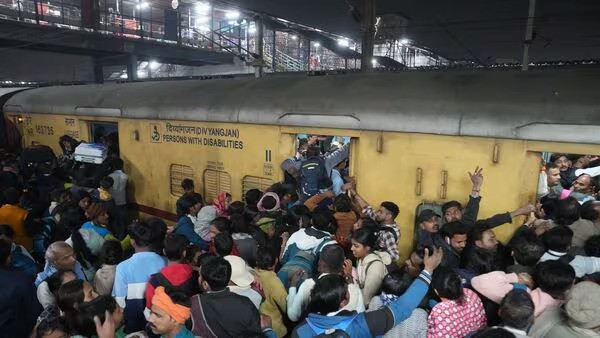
<point x="61" y="256"/>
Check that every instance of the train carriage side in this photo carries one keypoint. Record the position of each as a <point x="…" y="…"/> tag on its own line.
<point x="414" y="135"/>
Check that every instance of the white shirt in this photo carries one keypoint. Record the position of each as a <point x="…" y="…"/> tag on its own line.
<point x="583" y="265"/>
<point x="119" y="188"/>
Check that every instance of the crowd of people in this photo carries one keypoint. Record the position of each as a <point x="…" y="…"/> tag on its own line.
<point x="307" y="257"/>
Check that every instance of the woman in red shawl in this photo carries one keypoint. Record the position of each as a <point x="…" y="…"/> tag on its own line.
<point x="221" y="203"/>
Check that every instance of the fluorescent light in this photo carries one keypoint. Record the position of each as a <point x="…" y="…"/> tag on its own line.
<point x="374" y="62"/>
<point x="232" y="15"/>
<point x="154" y="65"/>
<point x="316" y="44"/>
<point x="202" y="8"/>
<point x="294" y="37"/>
<point x="404" y="41"/>
<point x="140" y="73"/>
<point x="252" y="29"/>
<point x="343" y="42"/>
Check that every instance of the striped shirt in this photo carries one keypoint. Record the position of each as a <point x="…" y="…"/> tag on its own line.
<point x="130" y="287"/>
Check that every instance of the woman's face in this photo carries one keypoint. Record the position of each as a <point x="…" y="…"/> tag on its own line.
<point x="359" y="250"/>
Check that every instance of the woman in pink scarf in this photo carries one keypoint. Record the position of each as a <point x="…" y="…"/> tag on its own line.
<point x="221" y="203"/>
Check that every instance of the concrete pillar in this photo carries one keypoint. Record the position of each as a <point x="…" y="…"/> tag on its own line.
<point x="132" y="68"/>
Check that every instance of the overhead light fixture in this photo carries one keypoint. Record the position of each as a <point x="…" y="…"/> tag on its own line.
<point x="142" y="5"/>
<point x="252" y="29"/>
<point x="343" y="42"/>
<point x="174" y="4"/>
<point x="232" y="15"/>
<point x="294" y="37"/>
<point x="154" y="64"/>
<point x="202" y="8"/>
<point x="404" y="41"/>
<point x="316" y="44"/>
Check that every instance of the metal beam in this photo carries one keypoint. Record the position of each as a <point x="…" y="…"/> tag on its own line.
<point x="528" y="35"/>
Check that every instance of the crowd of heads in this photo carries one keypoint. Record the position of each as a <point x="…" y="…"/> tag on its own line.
<point x="292" y="254"/>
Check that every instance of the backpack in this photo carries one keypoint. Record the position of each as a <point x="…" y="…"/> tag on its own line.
<point x="305" y="260"/>
<point x="187" y="288"/>
<point x="312" y="170"/>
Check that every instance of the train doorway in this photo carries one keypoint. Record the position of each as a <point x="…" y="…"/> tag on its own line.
<point x="106" y="133"/>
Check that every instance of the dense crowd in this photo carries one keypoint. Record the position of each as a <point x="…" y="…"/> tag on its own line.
<point x="307" y="257"/>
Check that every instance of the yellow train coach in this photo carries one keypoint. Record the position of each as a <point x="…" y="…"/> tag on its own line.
<point x="414" y="135"/>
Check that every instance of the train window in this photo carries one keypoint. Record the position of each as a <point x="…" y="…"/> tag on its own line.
<point x="215" y="182"/>
<point x="177" y="173"/>
<point x="436" y="207"/>
<point x="255" y="182"/>
<point x="567" y="166"/>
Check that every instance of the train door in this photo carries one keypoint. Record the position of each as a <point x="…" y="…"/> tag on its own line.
<point x="328" y="146"/>
<point x="106" y="133"/>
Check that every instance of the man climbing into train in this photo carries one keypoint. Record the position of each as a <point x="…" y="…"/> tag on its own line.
<point x="308" y="183"/>
<point x="452" y="210"/>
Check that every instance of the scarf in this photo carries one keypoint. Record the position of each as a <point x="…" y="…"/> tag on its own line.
<point x="221" y="204"/>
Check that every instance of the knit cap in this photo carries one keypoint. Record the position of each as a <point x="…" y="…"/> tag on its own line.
<point x="583" y="306"/>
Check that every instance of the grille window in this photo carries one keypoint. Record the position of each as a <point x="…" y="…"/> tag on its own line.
<point x="255" y="182"/>
<point x="215" y="182"/>
<point x="177" y="173"/>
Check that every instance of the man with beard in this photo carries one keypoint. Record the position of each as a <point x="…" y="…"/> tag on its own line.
<point x="169" y="313"/>
<point x="429" y="235"/>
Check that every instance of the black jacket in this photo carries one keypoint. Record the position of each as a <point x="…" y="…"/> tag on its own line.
<point x="19" y="306"/>
<point x="227" y="314"/>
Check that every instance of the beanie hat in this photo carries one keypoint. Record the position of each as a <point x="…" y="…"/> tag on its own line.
<point x="582" y="306"/>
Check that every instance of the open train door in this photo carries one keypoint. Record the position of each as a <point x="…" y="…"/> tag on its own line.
<point x="10" y="135"/>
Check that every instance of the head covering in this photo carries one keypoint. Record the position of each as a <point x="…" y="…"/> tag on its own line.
<point x="426" y="215"/>
<point x="277" y="203"/>
<point x="582" y="306"/>
<point x="220" y="203"/>
<point x="178" y="312"/>
<point x="240" y="275"/>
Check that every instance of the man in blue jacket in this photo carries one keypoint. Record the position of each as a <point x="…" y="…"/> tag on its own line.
<point x="330" y="294"/>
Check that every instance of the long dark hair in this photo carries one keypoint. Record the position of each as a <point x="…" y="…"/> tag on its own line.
<point x="72" y="219"/>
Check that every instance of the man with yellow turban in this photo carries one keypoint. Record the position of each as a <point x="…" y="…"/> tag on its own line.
<point x="169" y="313"/>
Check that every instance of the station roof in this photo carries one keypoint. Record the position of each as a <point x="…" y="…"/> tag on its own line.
<point x="486" y="32"/>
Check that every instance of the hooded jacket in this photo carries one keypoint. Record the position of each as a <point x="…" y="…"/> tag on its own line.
<point x="367" y="324"/>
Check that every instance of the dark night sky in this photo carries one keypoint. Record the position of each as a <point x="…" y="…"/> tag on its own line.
<point x="487" y="30"/>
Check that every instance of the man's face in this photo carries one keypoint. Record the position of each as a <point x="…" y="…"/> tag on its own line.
<point x="553" y="176"/>
<point x="160" y="322"/>
<point x="562" y="163"/>
<point x="432" y="225"/>
<point x="65" y="259"/>
<point x="383" y="215"/>
<point x="583" y="184"/>
<point x="458" y="242"/>
<point x="488" y="241"/>
<point x="453" y="214"/>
